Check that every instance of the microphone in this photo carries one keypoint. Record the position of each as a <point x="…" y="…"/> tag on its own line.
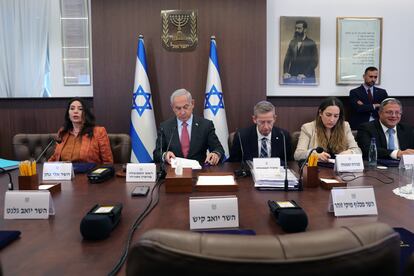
<point x="52" y="141"/>
<point x="286" y="166"/>
<point x="162" y="173"/>
<point x="169" y="143"/>
<point x="289" y="215"/>
<point x="318" y="150"/>
<point x="11" y="186"/>
<point x="242" y="172"/>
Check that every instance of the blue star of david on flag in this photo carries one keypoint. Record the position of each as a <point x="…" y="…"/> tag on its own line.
<point x="141" y="108"/>
<point x="214" y="93"/>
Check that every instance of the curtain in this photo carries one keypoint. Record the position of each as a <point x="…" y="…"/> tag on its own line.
<point x="24" y="30"/>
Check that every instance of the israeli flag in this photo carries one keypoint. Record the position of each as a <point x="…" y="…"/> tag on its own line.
<point x="214" y="102"/>
<point x="143" y="131"/>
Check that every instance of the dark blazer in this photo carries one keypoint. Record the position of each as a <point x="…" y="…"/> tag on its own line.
<point x="361" y="113"/>
<point x="373" y="129"/>
<point x="249" y="139"/>
<point x="303" y="60"/>
<point x="203" y="137"/>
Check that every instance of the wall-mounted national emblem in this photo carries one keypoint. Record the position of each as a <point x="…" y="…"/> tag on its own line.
<point x="179" y="30"/>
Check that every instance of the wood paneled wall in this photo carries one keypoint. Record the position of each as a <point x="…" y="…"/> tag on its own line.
<point x="240" y="30"/>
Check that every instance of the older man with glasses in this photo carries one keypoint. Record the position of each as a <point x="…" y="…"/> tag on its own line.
<point x="262" y="139"/>
<point x="393" y="139"/>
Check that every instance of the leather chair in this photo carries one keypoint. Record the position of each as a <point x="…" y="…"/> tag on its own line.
<point x="365" y="249"/>
<point x="295" y="139"/>
<point x="28" y="146"/>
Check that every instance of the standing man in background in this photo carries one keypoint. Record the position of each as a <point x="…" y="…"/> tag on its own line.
<point x="301" y="58"/>
<point x="365" y="99"/>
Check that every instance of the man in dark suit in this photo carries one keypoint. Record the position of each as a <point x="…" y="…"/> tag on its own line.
<point x="262" y="139"/>
<point x="365" y="99"/>
<point x="393" y="139"/>
<point x="187" y="135"/>
<point x="301" y="58"/>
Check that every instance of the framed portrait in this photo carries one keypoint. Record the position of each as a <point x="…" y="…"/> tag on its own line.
<point x="358" y="46"/>
<point x="299" y="50"/>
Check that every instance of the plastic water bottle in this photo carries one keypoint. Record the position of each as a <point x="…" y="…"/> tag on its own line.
<point x="372" y="154"/>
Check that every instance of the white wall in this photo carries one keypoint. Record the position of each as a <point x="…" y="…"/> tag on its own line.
<point x="56" y="65"/>
<point x="397" y="43"/>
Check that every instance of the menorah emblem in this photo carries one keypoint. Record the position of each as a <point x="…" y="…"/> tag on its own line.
<point x="179" y="29"/>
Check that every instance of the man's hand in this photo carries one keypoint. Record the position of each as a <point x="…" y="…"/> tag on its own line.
<point x="301" y="77"/>
<point x="324" y="156"/>
<point x="212" y="158"/>
<point x="402" y="152"/>
<point x="360" y="102"/>
<point x="286" y="76"/>
<point x="376" y="106"/>
<point x="168" y="156"/>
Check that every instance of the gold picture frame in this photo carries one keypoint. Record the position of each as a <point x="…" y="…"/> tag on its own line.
<point x="358" y="46"/>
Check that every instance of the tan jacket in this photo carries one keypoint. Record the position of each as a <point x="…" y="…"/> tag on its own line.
<point x="308" y="138"/>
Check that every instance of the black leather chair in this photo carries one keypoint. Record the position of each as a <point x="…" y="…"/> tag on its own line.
<point x="28" y="146"/>
<point x="365" y="249"/>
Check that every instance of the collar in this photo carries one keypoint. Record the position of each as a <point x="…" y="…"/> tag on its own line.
<point x="384" y="128"/>
<point x="189" y="121"/>
<point x="260" y="136"/>
<point x="368" y="87"/>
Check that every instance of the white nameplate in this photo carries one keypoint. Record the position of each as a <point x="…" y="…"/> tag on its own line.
<point x="143" y="172"/>
<point x="266" y="168"/>
<point x="354" y="201"/>
<point x="407" y="159"/>
<point x="349" y="163"/>
<point x="58" y="171"/>
<point x="214" y="212"/>
<point x="28" y="205"/>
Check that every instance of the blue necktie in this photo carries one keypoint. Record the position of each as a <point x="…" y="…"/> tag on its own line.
<point x="391" y="144"/>
<point x="263" y="148"/>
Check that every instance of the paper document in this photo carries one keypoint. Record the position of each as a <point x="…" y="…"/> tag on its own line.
<point x="185" y="163"/>
<point x="216" y="180"/>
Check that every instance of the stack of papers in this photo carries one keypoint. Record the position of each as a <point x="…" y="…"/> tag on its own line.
<point x="8" y="165"/>
<point x="273" y="182"/>
<point x="185" y="163"/>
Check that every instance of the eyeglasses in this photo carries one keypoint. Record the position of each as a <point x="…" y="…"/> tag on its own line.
<point x="261" y="123"/>
<point x="393" y="113"/>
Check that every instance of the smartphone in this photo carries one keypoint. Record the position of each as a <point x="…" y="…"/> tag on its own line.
<point x="140" y="191"/>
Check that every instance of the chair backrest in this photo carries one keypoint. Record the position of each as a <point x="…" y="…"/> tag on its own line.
<point x="231" y="139"/>
<point x="365" y="249"/>
<point x="28" y="146"/>
<point x="295" y="139"/>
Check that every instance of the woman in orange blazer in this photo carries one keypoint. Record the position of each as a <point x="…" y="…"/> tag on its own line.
<point x="80" y="140"/>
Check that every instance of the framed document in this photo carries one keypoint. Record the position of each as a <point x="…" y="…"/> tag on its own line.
<point x="358" y="46"/>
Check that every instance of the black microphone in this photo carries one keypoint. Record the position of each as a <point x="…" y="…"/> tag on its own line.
<point x="52" y="141"/>
<point x="169" y="142"/>
<point x="286" y="166"/>
<point x="11" y="186"/>
<point x="318" y="150"/>
<point x="289" y="215"/>
<point x="243" y="171"/>
<point x="162" y="173"/>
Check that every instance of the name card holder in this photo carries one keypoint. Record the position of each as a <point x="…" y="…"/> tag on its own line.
<point x="214" y="212"/>
<point x="349" y="163"/>
<point x="407" y="159"/>
<point x="143" y="172"/>
<point x="266" y="168"/>
<point x="28" y="205"/>
<point x="179" y="183"/>
<point x="58" y="171"/>
<point x="218" y="182"/>
<point x="353" y="201"/>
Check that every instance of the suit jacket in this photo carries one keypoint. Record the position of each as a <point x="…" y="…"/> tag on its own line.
<point x="308" y="140"/>
<point x="373" y="129"/>
<point x="203" y="138"/>
<point x="249" y="139"/>
<point x="95" y="149"/>
<point x="303" y="60"/>
<point x="361" y="113"/>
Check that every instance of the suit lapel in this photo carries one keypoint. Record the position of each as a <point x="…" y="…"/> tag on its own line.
<point x="401" y="137"/>
<point x="195" y="135"/>
<point x="363" y="94"/>
<point x="275" y="140"/>
<point x="175" y="142"/>
<point x="254" y="144"/>
<point x="383" y="140"/>
<point x="84" y="147"/>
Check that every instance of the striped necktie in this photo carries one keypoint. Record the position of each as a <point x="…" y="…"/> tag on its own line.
<point x="263" y="148"/>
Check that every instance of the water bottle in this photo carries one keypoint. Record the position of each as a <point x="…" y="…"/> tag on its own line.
<point x="372" y="154"/>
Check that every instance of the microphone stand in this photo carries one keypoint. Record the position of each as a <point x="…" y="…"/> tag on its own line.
<point x="52" y="141"/>
<point x="242" y="172"/>
<point x="161" y="173"/>
<point x="286" y="167"/>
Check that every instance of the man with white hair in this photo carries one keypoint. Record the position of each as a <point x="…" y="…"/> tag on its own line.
<point x="187" y="135"/>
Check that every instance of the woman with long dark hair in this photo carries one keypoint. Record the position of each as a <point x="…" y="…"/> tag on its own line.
<point x="329" y="130"/>
<point x="80" y="140"/>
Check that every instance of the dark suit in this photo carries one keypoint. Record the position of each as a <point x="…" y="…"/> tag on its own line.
<point x="249" y="139"/>
<point x="203" y="137"/>
<point x="361" y="113"/>
<point x="301" y="61"/>
<point x="373" y="129"/>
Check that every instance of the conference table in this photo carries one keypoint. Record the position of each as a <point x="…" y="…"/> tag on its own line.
<point x="55" y="246"/>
